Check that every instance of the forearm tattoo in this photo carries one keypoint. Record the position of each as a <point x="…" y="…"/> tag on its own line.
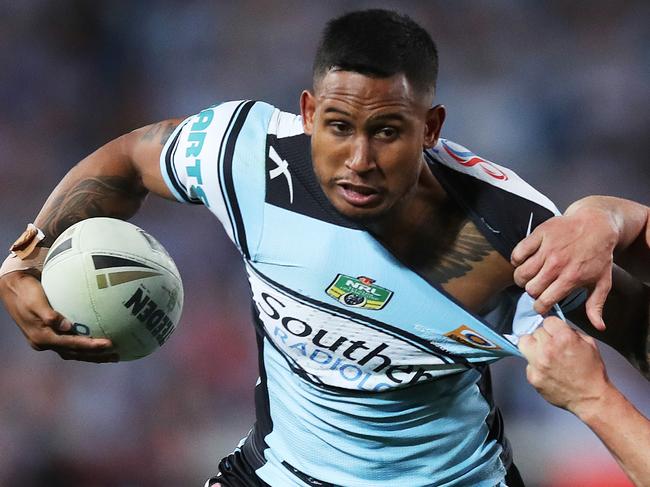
<point x="111" y="196"/>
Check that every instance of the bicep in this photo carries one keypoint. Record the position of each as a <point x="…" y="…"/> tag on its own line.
<point x="626" y="314"/>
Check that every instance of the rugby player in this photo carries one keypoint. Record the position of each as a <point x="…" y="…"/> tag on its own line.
<point x="378" y="256"/>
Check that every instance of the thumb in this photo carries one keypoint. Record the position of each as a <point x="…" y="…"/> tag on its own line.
<point x="596" y="302"/>
<point x="39" y="306"/>
<point x="53" y="319"/>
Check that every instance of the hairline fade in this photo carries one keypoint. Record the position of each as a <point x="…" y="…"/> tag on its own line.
<point x="379" y="44"/>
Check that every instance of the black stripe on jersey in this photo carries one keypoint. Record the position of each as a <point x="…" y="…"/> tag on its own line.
<point x="171" y="170"/>
<point x="501" y="215"/>
<point x="309" y="480"/>
<point x="494" y="420"/>
<point x="414" y="340"/>
<point x="308" y="196"/>
<point x="219" y="164"/>
<point x="228" y="178"/>
<point x="255" y="444"/>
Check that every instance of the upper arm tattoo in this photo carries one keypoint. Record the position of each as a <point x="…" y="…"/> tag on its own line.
<point x="160" y="131"/>
<point x="111" y="196"/>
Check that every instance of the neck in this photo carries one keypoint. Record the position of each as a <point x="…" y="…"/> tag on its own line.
<point x="420" y="220"/>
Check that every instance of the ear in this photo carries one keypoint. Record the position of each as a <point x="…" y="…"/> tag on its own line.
<point x="307" y="110"/>
<point x="435" y="119"/>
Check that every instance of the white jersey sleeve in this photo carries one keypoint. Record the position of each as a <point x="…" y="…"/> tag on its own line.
<point x="217" y="158"/>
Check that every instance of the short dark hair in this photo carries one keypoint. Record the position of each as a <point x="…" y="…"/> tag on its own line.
<point x="378" y="43"/>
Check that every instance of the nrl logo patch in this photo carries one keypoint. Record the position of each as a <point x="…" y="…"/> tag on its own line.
<point x="358" y="292"/>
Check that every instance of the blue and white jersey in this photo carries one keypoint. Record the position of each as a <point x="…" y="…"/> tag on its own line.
<point x="369" y="375"/>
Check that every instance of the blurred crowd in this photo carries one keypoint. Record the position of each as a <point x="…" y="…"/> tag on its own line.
<point x="557" y="90"/>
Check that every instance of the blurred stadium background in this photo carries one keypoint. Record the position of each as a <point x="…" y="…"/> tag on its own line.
<point x="557" y="90"/>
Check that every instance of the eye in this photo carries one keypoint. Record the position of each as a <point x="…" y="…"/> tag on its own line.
<point x="387" y="133"/>
<point x="340" y="128"/>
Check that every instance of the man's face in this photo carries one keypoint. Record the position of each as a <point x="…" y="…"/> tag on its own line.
<point x="367" y="136"/>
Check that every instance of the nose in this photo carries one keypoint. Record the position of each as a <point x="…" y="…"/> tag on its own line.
<point x="361" y="158"/>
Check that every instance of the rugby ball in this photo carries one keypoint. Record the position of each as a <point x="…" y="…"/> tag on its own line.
<point x="113" y="280"/>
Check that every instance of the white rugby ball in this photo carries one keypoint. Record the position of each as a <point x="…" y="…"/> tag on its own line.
<point x="114" y="280"/>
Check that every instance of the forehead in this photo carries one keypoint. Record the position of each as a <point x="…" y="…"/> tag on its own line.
<point x="360" y="92"/>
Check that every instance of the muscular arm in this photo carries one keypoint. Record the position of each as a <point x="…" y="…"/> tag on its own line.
<point x="112" y="181"/>
<point x="577" y="250"/>
<point x="627" y="314"/>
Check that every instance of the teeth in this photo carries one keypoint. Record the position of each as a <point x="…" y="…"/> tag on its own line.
<point x="360" y="190"/>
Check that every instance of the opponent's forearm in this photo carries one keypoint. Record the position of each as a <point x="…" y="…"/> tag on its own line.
<point x="106" y="183"/>
<point x="624" y="430"/>
<point x="627" y="314"/>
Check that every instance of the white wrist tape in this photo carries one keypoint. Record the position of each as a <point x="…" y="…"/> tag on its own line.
<point x="24" y="252"/>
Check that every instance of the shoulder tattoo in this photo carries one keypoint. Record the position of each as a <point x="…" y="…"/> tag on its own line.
<point x="469" y="248"/>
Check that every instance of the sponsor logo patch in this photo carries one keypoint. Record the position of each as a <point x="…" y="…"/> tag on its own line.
<point x="358" y="292"/>
<point x="465" y="335"/>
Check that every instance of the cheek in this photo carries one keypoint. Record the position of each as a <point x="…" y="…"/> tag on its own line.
<point x="328" y="154"/>
<point x="322" y="158"/>
<point x="404" y="168"/>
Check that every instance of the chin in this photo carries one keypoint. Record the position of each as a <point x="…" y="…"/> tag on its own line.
<point x="361" y="215"/>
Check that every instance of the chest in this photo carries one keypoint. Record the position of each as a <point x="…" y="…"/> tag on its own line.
<point x="470" y="269"/>
<point x="324" y="293"/>
<point x="319" y="256"/>
<point x="459" y="259"/>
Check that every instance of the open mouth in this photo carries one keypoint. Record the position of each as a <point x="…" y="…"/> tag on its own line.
<point x="358" y="194"/>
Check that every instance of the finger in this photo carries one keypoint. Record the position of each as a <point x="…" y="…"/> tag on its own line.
<point x="529" y="269"/>
<point x="553" y="294"/>
<point x="532" y="375"/>
<point x="76" y="342"/>
<point x="65" y="325"/>
<point x="92" y="356"/>
<point x="38" y="307"/>
<point x="527" y="346"/>
<point x="541" y="335"/>
<point x="590" y="340"/>
<point x="525" y="248"/>
<point x="596" y="301"/>
<point x="555" y="326"/>
<point x="549" y="272"/>
<point x="47" y="316"/>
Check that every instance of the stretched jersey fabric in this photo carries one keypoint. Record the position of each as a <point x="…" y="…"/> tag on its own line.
<point x="369" y="375"/>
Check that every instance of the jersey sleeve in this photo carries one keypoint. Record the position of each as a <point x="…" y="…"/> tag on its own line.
<point x="504" y="206"/>
<point x="217" y="158"/>
<point x="506" y="209"/>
